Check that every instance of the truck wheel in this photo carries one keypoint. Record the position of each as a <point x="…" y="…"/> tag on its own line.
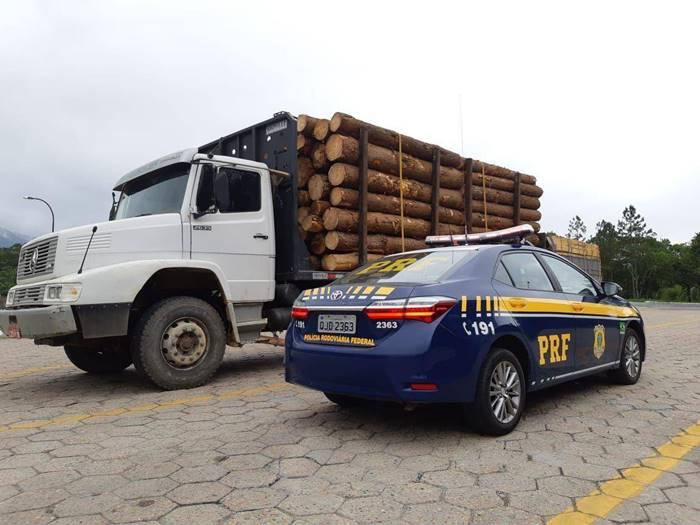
<point x="179" y="342"/>
<point x="500" y="396"/>
<point x="104" y="360"/>
<point x="630" y="361"/>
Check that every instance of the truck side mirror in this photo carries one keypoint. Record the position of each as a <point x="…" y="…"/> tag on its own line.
<point x="610" y="288"/>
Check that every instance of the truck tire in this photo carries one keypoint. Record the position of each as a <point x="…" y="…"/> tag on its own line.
<point x="179" y="342"/>
<point x="500" y="394"/>
<point x="105" y="360"/>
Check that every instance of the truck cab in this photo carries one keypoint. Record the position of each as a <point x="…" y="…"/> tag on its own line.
<point x="197" y="254"/>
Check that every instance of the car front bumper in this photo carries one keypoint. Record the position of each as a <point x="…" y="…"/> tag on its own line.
<point x="38" y="323"/>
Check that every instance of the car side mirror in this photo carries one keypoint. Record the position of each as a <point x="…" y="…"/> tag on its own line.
<point x="610" y="288"/>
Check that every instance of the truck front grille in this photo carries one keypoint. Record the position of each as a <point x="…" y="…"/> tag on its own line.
<point x="37" y="259"/>
<point x="29" y="296"/>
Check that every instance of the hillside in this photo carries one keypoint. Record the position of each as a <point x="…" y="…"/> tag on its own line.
<point x="9" y="238"/>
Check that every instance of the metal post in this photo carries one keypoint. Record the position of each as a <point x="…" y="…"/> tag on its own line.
<point x="53" y="218"/>
<point x="468" y="166"/>
<point x="435" y="196"/>
<point x="362" y="227"/>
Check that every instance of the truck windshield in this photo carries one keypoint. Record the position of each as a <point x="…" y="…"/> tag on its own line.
<point x="410" y="268"/>
<point x="161" y="191"/>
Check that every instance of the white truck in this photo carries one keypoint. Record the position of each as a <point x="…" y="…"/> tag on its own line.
<point x="201" y="250"/>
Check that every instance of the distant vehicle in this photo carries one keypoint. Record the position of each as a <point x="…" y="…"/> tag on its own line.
<point x="478" y="324"/>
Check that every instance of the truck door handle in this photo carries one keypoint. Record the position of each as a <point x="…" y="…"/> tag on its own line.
<point x="260" y="236"/>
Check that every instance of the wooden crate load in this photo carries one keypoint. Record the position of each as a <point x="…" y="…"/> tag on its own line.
<point x="365" y="191"/>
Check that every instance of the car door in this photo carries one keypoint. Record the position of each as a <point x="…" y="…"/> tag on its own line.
<point x="531" y="298"/>
<point x="597" y="335"/>
<point x="233" y="227"/>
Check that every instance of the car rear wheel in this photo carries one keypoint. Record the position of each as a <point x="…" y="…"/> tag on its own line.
<point x="107" y="359"/>
<point x="179" y="342"/>
<point x="630" y="361"/>
<point x="500" y="396"/>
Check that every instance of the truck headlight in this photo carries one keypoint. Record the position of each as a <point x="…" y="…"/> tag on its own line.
<point x="10" y="298"/>
<point x="62" y="293"/>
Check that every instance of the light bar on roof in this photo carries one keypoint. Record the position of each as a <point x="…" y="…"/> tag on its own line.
<point x="507" y="235"/>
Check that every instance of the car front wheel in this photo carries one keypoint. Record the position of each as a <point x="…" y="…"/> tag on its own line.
<point x="500" y="396"/>
<point x="631" y="360"/>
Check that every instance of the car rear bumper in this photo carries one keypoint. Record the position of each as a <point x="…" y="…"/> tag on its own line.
<point x="38" y="323"/>
<point x="386" y="372"/>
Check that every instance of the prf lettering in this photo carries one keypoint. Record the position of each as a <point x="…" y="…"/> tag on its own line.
<point x="553" y="348"/>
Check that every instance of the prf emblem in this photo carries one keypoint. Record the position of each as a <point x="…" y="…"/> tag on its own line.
<point x="598" y="341"/>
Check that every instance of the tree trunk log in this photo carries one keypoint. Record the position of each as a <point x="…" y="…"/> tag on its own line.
<point x="305" y="169"/>
<point x="303" y="198"/>
<point x="317" y="244"/>
<point x="302" y="213"/>
<point x="319" y="187"/>
<point x="321" y="129"/>
<point x="346" y="175"/>
<point x="498" y="183"/>
<point x="342" y="262"/>
<point x="312" y="223"/>
<point x="498" y="171"/>
<point x="336" y="241"/>
<point x="348" y="220"/>
<point x="305" y="125"/>
<point x="304" y="145"/>
<point x="347" y="125"/>
<point x="319" y="207"/>
<point x="318" y="157"/>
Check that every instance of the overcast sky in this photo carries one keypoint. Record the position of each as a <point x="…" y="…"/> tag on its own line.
<point x="600" y="101"/>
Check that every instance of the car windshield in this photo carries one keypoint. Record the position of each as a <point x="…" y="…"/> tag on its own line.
<point x="161" y="191"/>
<point x="410" y="268"/>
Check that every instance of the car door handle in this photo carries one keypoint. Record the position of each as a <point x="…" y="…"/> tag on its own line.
<point x="577" y="307"/>
<point x="517" y="303"/>
<point x="260" y="236"/>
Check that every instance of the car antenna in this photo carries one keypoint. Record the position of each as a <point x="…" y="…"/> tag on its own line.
<point x="94" y="229"/>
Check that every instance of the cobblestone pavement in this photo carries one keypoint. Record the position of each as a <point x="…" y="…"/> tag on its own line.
<point x="249" y="448"/>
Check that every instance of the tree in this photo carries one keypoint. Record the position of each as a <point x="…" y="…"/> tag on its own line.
<point x="633" y="225"/>
<point x="577" y="229"/>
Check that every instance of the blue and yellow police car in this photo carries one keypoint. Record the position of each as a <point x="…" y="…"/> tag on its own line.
<point x="481" y="323"/>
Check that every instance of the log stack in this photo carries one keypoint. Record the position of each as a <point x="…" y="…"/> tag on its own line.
<point x="414" y="189"/>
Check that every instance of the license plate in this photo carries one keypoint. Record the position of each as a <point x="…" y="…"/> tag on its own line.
<point x="13" y="331"/>
<point x="336" y="324"/>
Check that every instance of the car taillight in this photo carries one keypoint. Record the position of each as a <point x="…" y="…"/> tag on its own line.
<point x="300" y="312"/>
<point x="424" y="309"/>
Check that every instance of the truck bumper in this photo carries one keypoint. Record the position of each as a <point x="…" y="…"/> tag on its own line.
<point x="37" y="323"/>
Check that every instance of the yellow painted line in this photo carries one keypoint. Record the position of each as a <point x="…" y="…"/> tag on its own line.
<point x="32" y="371"/>
<point x="146" y="407"/>
<point x="612" y="493"/>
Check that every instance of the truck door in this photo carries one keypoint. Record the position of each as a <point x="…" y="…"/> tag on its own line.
<point x="597" y="333"/>
<point x="233" y="227"/>
<point x="537" y="307"/>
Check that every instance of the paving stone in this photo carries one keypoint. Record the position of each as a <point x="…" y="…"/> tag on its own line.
<point x="34" y="499"/>
<point x="85" y="505"/>
<point x="205" y="492"/>
<point x="539" y="502"/>
<point x="242" y="479"/>
<point x="257" y="517"/>
<point x="314" y="503"/>
<point x="504" y="516"/>
<point x="253" y="499"/>
<point x="566" y="486"/>
<point x="371" y="509"/>
<point x="506" y="482"/>
<point x="147" y="471"/>
<point x="203" y="473"/>
<point x="208" y="514"/>
<point x="95" y="519"/>
<point x="443" y="513"/>
<point x="474" y="498"/>
<point x="297" y="467"/>
<point x="93" y="485"/>
<point x="449" y="478"/>
<point x="671" y="514"/>
<point x="140" y="510"/>
<point x="688" y="496"/>
<point x="145" y="488"/>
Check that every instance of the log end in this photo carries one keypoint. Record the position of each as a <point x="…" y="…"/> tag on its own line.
<point x="330" y="219"/>
<point x="321" y="129"/>
<point x="334" y="147"/>
<point x="332" y="240"/>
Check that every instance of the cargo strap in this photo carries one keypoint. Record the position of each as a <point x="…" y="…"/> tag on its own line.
<point x="483" y="191"/>
<point x="403" y="241"/>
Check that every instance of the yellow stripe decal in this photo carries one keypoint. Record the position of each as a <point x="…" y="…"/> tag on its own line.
<point x="368" y="290"/>
<point x="560" y="306"/>
<point x="384" y="290"/>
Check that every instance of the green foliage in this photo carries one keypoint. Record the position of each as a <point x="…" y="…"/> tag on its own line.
<point x="8" y="268"/>
<point x="633" y="256"/>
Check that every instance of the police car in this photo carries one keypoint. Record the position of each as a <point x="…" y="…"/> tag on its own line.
<point x="481" y="323"/>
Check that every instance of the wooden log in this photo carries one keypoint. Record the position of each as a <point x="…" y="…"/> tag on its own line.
<point x="340" y="148"/>
<point x="317" y="244"/>
<point x="350" y="126"/>
<point x="319" y="207"/>
<point x="303" y="198"/>
<point x="347" y="198"/>
<point x="498" y="183"/>
<point x="318" y="157"/>
<point x="347" y="221"/>
<point x="319" y="187"/>
<point x="305" y="169"/>
<point x="342" y="262"/>
<point x="302" y="234"/>
<point x="499" y="171"/>
<point x="306" y="124"/>
<point x="349" y="242"/>
<point x="312" y="223"/>
<point x="321" y="129"/>
<point x="304" y="145"/>
<point x="302" y="213"/>
<point x="346" y="175"/>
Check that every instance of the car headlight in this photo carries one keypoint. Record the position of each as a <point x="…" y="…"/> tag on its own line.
<point x="62" y="293"/>
<point x="10" y="298"/>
